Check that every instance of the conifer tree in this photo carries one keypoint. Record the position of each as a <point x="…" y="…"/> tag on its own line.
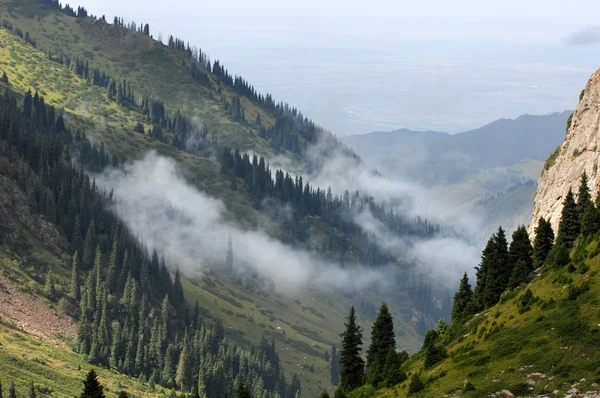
<point x="241" y="390"/>
<point x="92" y="387"/>
<point x="590" y="220"/>
<point x="352" y="365"/>
<point x="499" y="270"/>
<point x="49" y="288"/>
<point x="482" y="271"/>
<point x="583" y="197"/>
<point x="568" y="229"/>
<point x="520" y="253"/>
<point x="544" y="240"/>
<point x="462" y="297"/>
<point x="382" y="340"/>
<point x="12" y="391"/>
<point x="74" y="289"/>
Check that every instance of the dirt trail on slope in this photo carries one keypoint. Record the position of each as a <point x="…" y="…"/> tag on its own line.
<point x="33" y="316"/>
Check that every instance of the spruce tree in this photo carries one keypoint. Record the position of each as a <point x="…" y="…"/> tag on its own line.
<point x="482" y="271"/>
<point x="382" y="340"/>
<point x="520" y="253"/>
<point x="583" y="197"/>
<point x="544" y="240"/>
<point x="462" y="298"/>
<point x="568" y="229"/>
<point x="74" y="290"/>
<point x="352" y="365"/>
<point x="241" y="390"/>
<point x="92" y="387"/>
<point x="49" y="288"/>
<point x="590" y="220"/>
<point x="499" y="270"/>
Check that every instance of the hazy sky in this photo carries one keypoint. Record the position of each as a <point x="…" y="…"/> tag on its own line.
<point x="357" y="66"/>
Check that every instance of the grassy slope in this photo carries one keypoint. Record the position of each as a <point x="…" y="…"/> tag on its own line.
<point x="311" y="320"/>
<point x="561" y="340"/>
<point x="149" y="66"/>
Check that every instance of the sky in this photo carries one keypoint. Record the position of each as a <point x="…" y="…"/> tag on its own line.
<point x="357" y="66"/>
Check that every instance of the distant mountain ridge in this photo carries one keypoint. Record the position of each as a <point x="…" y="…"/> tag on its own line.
<point x="436" y="158"/>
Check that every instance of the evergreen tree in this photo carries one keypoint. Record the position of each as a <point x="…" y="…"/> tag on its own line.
<point x="49" y="288"/>
<point x="12" y="391"/>
<point x="92" y="387"/>
<point x="242" y="390"/>
<point x="590" y="220"/>
<point x="584" y="198"/>
<point x="382" y="340"/>
<point x="482" y="271"/>
<point x="324" y="394"/>
<point x="352" y="365"/>
<point x="334" y="366"/>
<point x="568" y="229"/>
<point x="392" y="373"/>
<point x="74" y="290"/>
<point x="544" y="240"/>
<point x="462" y="297"/>
<point x="499" y="270"/>
<point x="520" y="253"/>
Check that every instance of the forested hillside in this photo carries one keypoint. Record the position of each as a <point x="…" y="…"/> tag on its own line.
<point x="81" y="95"/>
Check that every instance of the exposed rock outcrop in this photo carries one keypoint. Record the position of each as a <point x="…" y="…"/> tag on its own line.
<point x="580" y="152"/>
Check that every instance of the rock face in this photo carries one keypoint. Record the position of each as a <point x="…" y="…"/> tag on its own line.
<point x="580" y="152"/>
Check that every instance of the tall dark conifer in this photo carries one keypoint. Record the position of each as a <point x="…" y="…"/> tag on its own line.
<point x="462" y="298"/>
<point x="569" y="227"/>
<point x="499" y="270"/>
<point x="583" y="197"/>
<point x="352" y="365"/>
<point x="544" y="240"/>
<point x="520" y="253"/>
<point x="92" y="387"/>
<point x="382" y="340"/>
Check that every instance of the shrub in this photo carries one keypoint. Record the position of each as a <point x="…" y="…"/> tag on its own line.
<point x="415" y="385"/>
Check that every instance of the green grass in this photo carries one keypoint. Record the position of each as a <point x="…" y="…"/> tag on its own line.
<point x="556" y="334"/>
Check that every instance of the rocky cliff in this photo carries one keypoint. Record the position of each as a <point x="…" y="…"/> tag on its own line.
<point x="577" y="154"/>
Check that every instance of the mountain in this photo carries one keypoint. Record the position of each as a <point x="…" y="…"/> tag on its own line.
<point x="528" y="324"/>
<point x="436" y="158"/>
<point x="472" y="168"/>
<point x="578" y="154"/>
<point x="135" y="210"/>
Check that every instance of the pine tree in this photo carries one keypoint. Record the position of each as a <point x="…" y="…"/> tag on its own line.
<point x="462" y="297"/>
<point x="49" y="288"/>
<point x="382" y="340"/>
<point x="544" y="240"/>
<point x="568" y="229"/>
<point x="92" y="387"/>
<point x="584" y="198"/>
<point x="241" y="390"/>
<point x="74" y="290"/>
<point x="352" y="365"/>
<point x="334" y="366"/>
<point x="590" y="220"/>
<point x="324" y="394"/>
<point x="482" y="271"/>
<point x="499" y="270"/>
<point x="520" y="253"/>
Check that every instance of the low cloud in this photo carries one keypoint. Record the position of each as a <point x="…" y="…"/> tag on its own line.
<point x="192" y="231"/>
<point x="585" y="36"/>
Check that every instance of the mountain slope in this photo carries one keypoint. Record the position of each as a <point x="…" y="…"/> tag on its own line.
<point x="295" y="322"/>
<point x="437" y="158"/>
<point x="577" y="154"/>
